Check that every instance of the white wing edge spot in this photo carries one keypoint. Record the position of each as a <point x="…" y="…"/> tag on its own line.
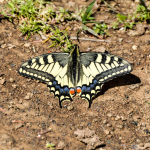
<point x="108" y="58"/>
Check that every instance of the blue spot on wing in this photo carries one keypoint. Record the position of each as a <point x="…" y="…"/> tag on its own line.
<point x="92" y="86"/>
<point x="84" y="88"/>
<point x="66" y="89"/>
<point x="61" y="90"/>
<point x="54" y="83"/>
<point x="57" y="87"/>
<point x="88" y="89"/>
<point x="95" y="82"/>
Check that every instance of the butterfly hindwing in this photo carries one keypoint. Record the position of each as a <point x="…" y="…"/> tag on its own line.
<point x="53" y="70"/>
<point x="97" y="68"/>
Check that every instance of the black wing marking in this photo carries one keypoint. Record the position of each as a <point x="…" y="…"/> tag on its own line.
<point x="53" y="70"/>
<point x="97" y="68"/>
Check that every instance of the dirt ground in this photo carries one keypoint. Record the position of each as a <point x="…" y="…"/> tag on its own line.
<point x="119" y="116"/>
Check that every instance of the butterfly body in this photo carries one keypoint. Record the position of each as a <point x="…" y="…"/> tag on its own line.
<point x="68" y="74"/>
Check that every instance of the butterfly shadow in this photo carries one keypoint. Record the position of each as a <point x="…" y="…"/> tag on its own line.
<point x="127" y="79"/>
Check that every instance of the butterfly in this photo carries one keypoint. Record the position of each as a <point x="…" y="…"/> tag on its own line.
<point x="68" y="74"/>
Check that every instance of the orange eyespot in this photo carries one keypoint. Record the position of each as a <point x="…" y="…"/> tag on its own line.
<point x="72" y="91"/>
<point x="78" y="90"/>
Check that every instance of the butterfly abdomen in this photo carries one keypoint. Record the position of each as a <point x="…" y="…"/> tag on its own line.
<point x="74" y="64"/>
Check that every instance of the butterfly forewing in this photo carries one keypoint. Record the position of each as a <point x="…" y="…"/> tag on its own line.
<point x="99" y="67"/>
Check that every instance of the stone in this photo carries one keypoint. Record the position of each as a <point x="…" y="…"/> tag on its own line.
<point x="27" y="97"/>
<point x="10" y="46"/>
<point x="117" y="118"/>
<point x="133" y="33"/>
<point x="107" y="132"/>
<point x="120" y="39"/>
<point x="2" y="42"/>
<point x="104" y="121"/>
<point x="70" y="107"/>
<point x="140" y="28"/>
<point x="14" y="86"/>
<point x="61" y="145"/>
<point x="119" y="126"/>
<point x="11" y="80"/>
<point x="134" y="47"/>
<point x="3" y="46"/>
<point x="109" y="115"/>
<point x="2" y="81"/>
<point x="88" y="137"/>
<point x="27" y="44"/>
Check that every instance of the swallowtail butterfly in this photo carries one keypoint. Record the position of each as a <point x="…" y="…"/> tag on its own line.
<point x="67" y="74"/>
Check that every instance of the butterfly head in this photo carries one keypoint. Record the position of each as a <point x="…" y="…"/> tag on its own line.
<point x="75" y="50"/>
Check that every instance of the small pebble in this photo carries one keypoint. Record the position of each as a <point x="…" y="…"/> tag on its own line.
<point x="2" y="81"/>
<point x="120" y="39"/>
<point x="112" y="132"/>
<point x="27" y="44"/>
<point x="133" y="33"/>
<point x="11" y="80"/>
<point x="27" y="97"/>
<point x="119" y="126"/>
<point x="109" y="115"/>
<point x="137" y="140"/>
<point x="3" y="46"/>
<point x="70" y="107"/>
<point x="2" y="42"/>
<point x="109" y="125"/>
<point x="121" y="30"/>
<point x="134" y="47"/>
<point x="10" y="46"/>
<point x="109" y="136"/>
<point x="14" y="86"/>
<point x="123" y="141"/>
<point x="123" y="118"/>
<point x="61" y="145"/>
<point x="104" y="121"/>
<point x="117" y="118"/>
<point x="106" y="132"/>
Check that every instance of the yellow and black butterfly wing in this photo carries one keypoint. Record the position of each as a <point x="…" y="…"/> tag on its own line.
<point x="52" y="69"/>
<point x="96" y="69"/>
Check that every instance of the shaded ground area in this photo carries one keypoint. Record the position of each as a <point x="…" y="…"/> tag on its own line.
<point x="119" y="117"/>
